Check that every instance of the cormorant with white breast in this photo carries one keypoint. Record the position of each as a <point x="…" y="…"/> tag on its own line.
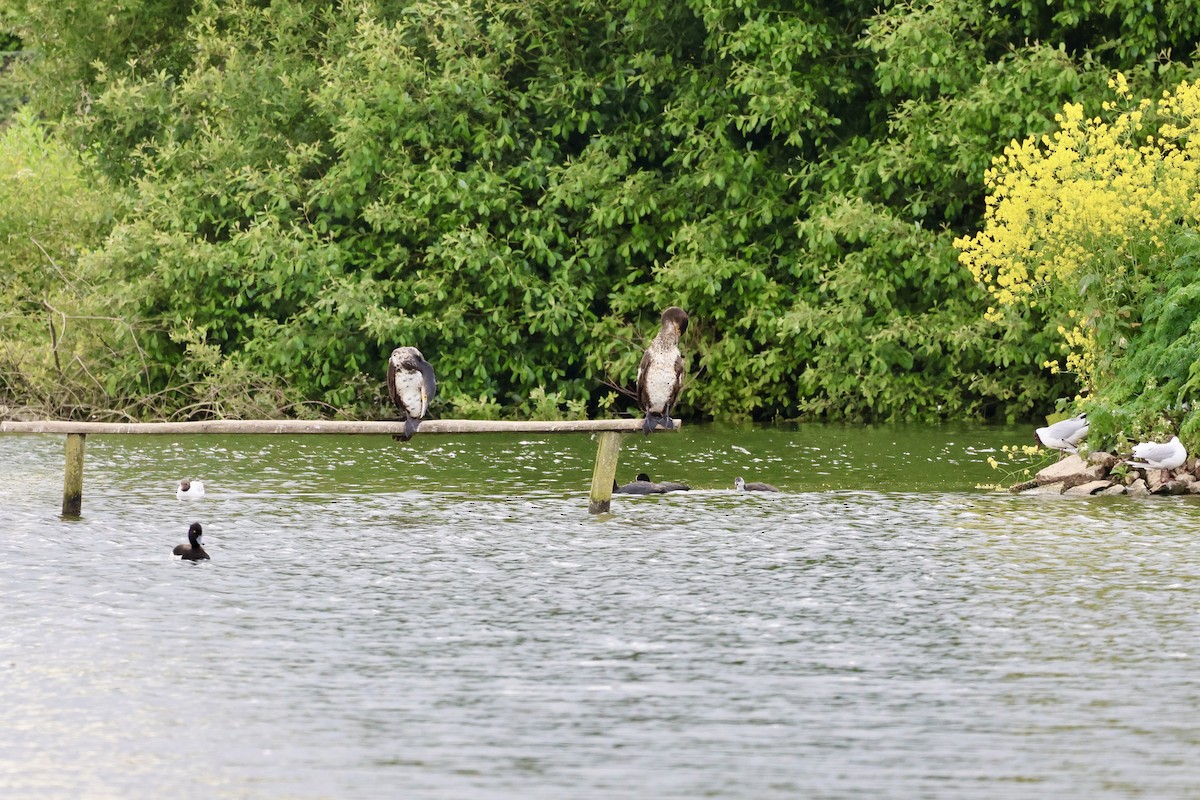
<point x="411" y="386"/>
<point x="661" y="372"/>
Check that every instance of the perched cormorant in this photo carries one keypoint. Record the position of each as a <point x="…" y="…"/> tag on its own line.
<point x="661" y="372"/>
<point x="1153" y="455"/>
<point x="189" y="490"/>
<point x="741" y="485"/>
<point x="192" y="551"/>
<point x="411" y="386"/>
<point x="1066" y="434"/>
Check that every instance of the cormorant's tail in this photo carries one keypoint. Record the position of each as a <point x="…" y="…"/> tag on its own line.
<point x="656" y="420"/>
<point x="410" y="427"/>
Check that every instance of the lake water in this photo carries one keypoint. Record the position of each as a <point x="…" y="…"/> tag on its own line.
<point x="443" y="619"/>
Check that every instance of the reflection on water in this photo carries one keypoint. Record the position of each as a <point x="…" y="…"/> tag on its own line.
<point x="444" y="619"/>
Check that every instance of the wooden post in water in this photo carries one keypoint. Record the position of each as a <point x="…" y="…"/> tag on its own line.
<point x="604" y="473"/>
<point x="73" y="479"/>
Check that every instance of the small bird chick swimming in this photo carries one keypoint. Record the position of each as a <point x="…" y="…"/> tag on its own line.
<point x="192" y="551"/>
<point x="411" y="386"/>
<point x="740" y="485"/>
<point x="189" y="490"/>
<point x="660" y="374"/>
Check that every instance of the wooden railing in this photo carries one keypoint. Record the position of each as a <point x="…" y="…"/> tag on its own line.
<point x="608" y="432"/>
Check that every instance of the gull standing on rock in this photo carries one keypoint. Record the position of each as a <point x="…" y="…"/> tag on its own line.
<point x="411" y="386"/>
<point x="660" y="374"/>
<point x="1065" y="434"/>
<point x="1159" y="456"/>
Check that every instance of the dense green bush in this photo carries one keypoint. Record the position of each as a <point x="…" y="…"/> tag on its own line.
<point x="56" y="330"/>
<point x="519" y="188"/>
<point x="1096" y="227"/>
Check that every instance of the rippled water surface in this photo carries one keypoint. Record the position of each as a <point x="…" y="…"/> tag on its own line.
<point x="445" y="620"/>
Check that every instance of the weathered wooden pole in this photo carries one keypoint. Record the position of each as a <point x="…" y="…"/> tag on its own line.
<point x="604" y="473"/>
<point x="73" y="479"/>
<point x="609" y="431"/>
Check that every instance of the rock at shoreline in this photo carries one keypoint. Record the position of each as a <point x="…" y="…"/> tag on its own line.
<point x="1090" y="488"/>
<point x="1156" y="479"/>
<point x="1046" y="488"/>
<point x="1095" y="477"/>
<point x="1071" y="471"/>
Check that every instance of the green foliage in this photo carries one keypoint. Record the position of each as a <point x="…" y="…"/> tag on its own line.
<point x="1095" y="226"/>
<point x="11" y="49"/>
<point x="75" y="41"/>
<point x="56" y="330"/>
<point x="1155" y="383"/>
<point x="519" y="187"/>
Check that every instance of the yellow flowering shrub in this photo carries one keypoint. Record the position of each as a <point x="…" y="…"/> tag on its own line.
<point x="1078" y="220"/>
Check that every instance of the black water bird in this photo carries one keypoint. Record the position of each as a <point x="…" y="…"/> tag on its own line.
<point x="660" y="374"/>
<point x="741" y="485"/>
<point x="192" y="551"/>
<point x="667" y="486"/>
<point x="411" y="386"/>
<point x="640" y="486"/>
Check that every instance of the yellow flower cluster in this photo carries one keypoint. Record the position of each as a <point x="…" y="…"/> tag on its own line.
<point x="1069" y="215"/>
<point x="1020" y="462"/>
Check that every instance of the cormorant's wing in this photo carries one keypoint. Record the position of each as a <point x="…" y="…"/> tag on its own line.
<point x="642" y="398"/>
<point x="391" y="385"/>
<point x="430" y="385"/>
<point x="678" y="383"/>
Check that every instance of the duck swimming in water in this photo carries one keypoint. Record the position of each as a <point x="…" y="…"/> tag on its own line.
<point x="189" y="490"/>
<point x="667" y="486"/>
<point x="643" y="485"/>
<point x="639" y="486"/>
<point x="740" y="485"/>
<point x="192" y="551"/>
<point x="411" y="386"/>
<point x="660" y="374"/>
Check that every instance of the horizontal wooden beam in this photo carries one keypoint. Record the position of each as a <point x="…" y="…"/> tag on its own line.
<point x="300" y="426"/>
